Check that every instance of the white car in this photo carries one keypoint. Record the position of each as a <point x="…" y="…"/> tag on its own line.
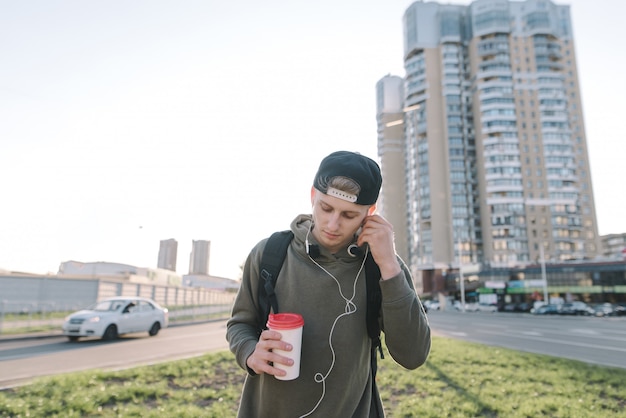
<point x="487" y="307"/>
<point x="469" y="307"/>
<point x="111" y="317"/>
<point x="431" y="305"/>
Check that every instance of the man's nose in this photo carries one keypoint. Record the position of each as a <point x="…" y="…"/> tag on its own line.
<point x="333" y="222"/>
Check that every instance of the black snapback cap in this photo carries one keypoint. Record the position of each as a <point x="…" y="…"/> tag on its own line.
<point x="362" y="170"/>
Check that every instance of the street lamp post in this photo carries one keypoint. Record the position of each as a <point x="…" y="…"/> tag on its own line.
<point x="544" y="279"/>
<point x="461" y="278"/>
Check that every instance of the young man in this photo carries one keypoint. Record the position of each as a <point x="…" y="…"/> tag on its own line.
<point x="323" y="279"/>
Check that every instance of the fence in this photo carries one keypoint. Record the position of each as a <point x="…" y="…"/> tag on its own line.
<point x="37" y="303"/>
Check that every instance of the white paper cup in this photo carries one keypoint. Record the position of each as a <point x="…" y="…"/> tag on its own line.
<point x="290" y="327"/>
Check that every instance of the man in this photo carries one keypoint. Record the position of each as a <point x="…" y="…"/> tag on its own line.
<point x="323" y="279"/>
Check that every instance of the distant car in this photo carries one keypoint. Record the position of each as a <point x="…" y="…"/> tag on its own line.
<point x="575" y="308"/>
<point x="487" y="307"/>
<point x="469" y="307"/>
<point x="546" y="310"/>
<point x="431" y="305"/>
<point x="112" y="317"/>
<point x="605" y="309"/>
<point x="509" y="307"/>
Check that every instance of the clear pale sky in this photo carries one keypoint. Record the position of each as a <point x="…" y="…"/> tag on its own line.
<point x="123" y="123"/>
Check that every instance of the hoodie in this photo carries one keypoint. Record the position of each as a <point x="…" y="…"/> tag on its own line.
<point x="330" y="293"/>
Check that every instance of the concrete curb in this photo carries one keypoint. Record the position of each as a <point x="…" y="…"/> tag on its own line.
<point x="52" y="334"/>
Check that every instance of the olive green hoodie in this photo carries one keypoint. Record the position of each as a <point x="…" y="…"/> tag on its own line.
<point x="335" y="373"/>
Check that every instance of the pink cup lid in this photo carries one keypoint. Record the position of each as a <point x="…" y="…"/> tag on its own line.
<point x="285" y="321"/>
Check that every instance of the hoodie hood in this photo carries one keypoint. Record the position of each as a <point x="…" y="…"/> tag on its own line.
<point x="301" y="227"/>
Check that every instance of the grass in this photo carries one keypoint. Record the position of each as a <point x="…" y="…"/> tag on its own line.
<point x="34" y="315"/>
<point x="460" y="379"/>
<point x="31" y="329"/>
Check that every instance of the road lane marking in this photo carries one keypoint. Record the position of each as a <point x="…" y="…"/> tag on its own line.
<point x="549" y="340"/>
<point x="585" y="331"/>
<point x="534" y="333"/>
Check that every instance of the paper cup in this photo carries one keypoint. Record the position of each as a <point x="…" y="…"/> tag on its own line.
<point x="290" y="326"/>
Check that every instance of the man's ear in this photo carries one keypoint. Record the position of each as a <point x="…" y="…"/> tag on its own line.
<point x="371" y="210"/>
<point x="312" y="195"/>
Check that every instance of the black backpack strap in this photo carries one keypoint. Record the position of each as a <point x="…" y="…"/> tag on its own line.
<point x="374" y="302"/>
<point x="272" y="260"/>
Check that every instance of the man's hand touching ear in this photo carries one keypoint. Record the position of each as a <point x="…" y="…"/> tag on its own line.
<point x="378" y="233"/>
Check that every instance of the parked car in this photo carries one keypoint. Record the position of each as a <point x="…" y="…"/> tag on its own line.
<point x="523" y="307"/>
<point x="111" y="317"/>
<point x="431" y="305"/>
<point x="606" y="309"/>
<point x="575" y="308"/>
<point x="487" y="307"/>
<point x="509" y="307"/>
<point x="550" y="309"/>
<point x="469" y="307"/>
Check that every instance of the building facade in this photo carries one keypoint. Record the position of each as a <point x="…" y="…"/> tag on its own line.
<point x="125" y="272"/>
<point x="168" y="250"/>
<point x="496" y="155"/>
<point x="614" y="246"/>
<point x="199" y="257"/>
<point x="392" y="201"/>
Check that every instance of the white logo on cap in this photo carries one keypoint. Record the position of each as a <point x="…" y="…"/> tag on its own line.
<point x="341" y="194"/>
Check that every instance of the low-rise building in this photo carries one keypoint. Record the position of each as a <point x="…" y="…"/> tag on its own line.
<point x="614" y="245"/>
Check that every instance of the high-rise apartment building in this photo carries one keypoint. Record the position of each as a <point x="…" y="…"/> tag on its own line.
<point x="168" y="250"/>
<point x="199" y="258"/>
<point x="392" y="201"/>
<point x="497" y="166"/>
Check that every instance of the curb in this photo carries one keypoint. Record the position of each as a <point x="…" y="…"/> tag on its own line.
<point x="52" y="334"/>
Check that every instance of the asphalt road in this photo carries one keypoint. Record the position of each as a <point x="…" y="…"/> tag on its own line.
<point x="600" y="341"/>
<point x="25" y="359"/>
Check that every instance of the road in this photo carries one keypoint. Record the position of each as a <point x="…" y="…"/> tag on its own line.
<point x="23" y="360"/>
<point x="600" y="341"/>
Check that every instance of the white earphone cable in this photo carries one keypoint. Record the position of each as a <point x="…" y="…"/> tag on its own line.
<point x="350" y="308"/>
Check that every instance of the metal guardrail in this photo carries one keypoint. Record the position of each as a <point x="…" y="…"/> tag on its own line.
<point x="41" y="303"/>
<point x="50" y="316"/>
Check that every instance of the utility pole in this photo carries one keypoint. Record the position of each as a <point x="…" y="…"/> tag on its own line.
<point x="543" y="275"/>
<point x="461" y="278"/>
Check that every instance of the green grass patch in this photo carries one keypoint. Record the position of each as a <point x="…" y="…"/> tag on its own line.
<point x="31" y="330"/>
<point x="460" y="379"/>
<point x="37" y="315"/>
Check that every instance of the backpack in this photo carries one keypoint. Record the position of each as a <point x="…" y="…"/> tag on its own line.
<point x="272" y="260"/>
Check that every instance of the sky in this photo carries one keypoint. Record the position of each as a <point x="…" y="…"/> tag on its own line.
<point x="123" y="123"/>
